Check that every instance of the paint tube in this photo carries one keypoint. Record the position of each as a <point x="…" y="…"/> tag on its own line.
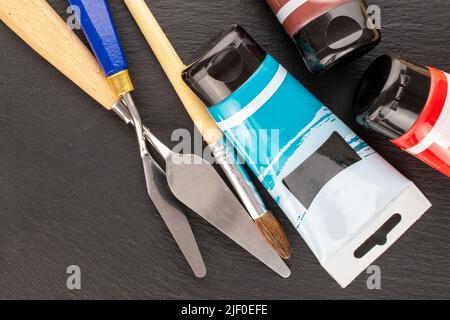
<point x="410" y="105"/>
<point x="327" y="32"/>
<point x="338" y="192"/>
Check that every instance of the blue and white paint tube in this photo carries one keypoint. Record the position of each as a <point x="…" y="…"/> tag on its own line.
<point x="347" y="202"/>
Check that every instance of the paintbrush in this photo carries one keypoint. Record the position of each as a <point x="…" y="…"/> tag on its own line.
<point x="267" y="224"/>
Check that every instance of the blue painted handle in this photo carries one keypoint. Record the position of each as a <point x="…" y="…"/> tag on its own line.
<point x="98" y="26"/>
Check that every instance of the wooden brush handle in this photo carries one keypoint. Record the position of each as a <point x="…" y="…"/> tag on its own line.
<point x="43" y="30"/>
<point x="173" y="67"/>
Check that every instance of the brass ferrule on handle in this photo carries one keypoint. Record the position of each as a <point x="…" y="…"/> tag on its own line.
<point x="121" y="83"/>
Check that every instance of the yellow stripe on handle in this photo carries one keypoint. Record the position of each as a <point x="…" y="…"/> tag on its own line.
<point x="173" y="67"/>
<point x="43" y="30"/>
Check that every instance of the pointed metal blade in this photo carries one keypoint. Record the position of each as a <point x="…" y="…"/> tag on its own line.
<point x="197" y="184"/>
<point x="173" y="216"/>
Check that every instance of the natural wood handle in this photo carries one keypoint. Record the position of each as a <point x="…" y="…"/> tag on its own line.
<point x="173" y="67"/>
<point x="43" y="30"/>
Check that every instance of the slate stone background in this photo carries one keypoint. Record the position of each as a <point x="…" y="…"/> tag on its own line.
<point x="72" y="187"/>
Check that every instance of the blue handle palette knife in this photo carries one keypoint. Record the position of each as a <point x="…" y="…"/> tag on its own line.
<point x="186" y="181"/>
<point x="95" y="19"/>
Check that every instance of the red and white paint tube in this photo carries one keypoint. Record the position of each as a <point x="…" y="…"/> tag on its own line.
<point x="327" y="32"/>
<point x="410" y="105"/>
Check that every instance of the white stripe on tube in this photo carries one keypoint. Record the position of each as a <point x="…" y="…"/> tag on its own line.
<point x="440" y="133"/>
<point x="267" y="93"/>
<point x="288" y="9"/>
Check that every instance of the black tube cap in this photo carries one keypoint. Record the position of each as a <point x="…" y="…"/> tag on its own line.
<point x="225" y="64"/>
<point x="391" y="96"/>
<point x="337" y="36"/>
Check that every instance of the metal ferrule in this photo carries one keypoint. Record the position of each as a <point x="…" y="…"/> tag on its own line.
<point x="239" y="179"/>
<point x="121" y="83"/>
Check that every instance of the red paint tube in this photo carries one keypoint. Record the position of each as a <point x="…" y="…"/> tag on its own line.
<point x="410" y="105"/>
<point x="327" y="32"/>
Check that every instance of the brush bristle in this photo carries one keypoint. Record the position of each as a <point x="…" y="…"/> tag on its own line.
<point x="274" y="234"/>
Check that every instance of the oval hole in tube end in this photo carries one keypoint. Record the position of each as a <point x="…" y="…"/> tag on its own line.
<point x="379" y="238"/>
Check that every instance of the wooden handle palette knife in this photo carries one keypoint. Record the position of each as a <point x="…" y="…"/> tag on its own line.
<point x="41" y="28"/>
<point x="225" y="156"/>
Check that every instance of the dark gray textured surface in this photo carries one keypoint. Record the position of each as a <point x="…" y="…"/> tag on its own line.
<point x="72" y="187"/>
